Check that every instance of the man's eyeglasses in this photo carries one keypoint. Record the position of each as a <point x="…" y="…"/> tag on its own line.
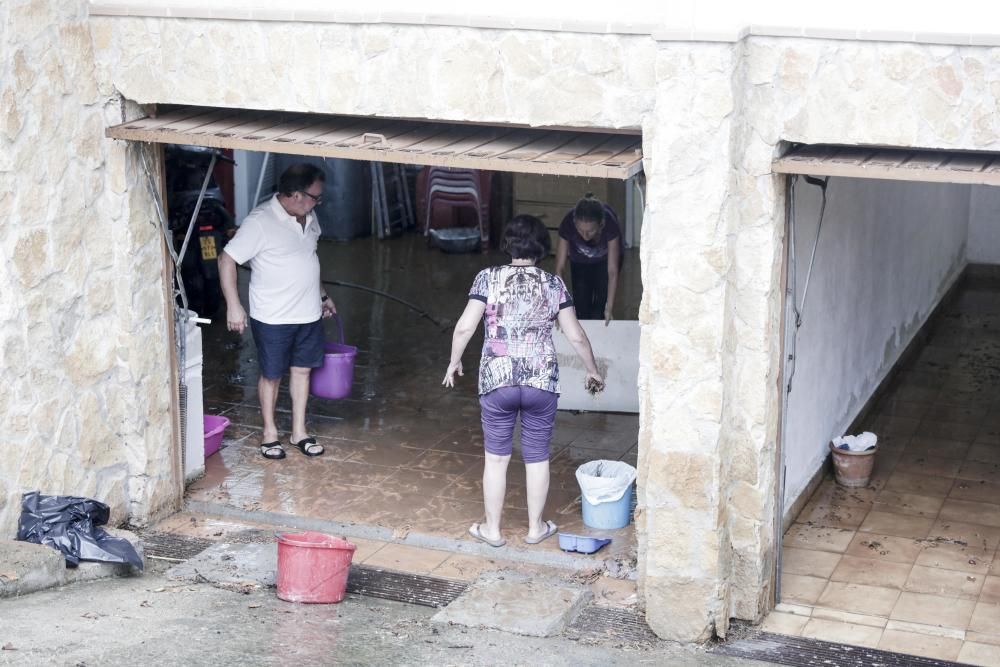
<point x="316" y="199"/>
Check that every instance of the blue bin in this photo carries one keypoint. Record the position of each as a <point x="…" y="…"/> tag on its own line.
<point x="612" y="514"/>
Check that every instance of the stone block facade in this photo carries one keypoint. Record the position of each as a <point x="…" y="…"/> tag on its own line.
<point x="84" y="407"/>
<point x="82" y="309"/>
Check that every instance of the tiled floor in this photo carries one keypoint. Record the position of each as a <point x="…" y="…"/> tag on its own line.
<point x="910" y="563"/>
<point x="403" y="453"/>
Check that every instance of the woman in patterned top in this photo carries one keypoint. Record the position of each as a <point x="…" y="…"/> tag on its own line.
<point x="518" y="374"/>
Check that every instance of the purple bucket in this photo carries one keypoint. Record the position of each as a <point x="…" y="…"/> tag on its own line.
<point x="334" y="378"/>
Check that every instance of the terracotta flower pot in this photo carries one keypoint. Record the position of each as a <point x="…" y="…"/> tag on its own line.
<point x="853" y="469"/>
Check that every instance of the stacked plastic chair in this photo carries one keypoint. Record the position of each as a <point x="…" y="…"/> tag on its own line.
<point x="457" y="187"/>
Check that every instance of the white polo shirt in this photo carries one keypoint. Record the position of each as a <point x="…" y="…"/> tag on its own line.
<point x="284" y="283"/>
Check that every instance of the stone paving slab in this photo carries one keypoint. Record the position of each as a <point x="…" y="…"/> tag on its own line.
<point x="512" y="602"/>
<point x="231" y="565"/>
<point x="27" y="568"/>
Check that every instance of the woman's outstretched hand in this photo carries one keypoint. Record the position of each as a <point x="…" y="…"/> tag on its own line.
<point x="593" y="383"/>
<point x="449" y="375"/>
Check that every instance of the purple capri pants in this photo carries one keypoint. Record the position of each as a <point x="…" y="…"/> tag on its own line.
<point x="500" y="408"/>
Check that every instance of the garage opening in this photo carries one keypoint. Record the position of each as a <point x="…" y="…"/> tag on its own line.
<point x="892" y="327"/>
<point x="403" y="458"/>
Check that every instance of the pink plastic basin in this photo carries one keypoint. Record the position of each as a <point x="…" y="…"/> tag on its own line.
<point x="215" y="427"/>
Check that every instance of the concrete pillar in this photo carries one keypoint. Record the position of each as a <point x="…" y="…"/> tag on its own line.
<point x="685" y="259"/>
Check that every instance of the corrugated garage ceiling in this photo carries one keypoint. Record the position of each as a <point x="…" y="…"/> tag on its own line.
<point x="900" y="164"/>
<point x="494" y="147"/>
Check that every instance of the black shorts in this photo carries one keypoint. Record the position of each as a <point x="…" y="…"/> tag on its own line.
<point x="280" y="346"/>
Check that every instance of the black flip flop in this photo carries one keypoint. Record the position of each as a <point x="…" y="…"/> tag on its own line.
<point x="305" y="443"/>
<point x="265" y="447"/>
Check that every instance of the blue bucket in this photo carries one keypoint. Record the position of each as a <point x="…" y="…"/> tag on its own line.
<point x="611" y="514"/>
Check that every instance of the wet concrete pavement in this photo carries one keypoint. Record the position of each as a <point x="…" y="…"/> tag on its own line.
<point x="403" y="453"/>
<point x="152" y="620"/>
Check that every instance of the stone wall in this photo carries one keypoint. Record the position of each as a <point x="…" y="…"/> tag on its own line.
<point x="83" y="405"/>
<point x="491" y="76"/>
<point x="933" y="96"/>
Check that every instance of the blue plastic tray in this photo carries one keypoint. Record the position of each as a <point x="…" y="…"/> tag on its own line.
<point x="581" y="543"/>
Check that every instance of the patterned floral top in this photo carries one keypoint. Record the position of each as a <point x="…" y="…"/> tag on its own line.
<point x="522" y="302"/>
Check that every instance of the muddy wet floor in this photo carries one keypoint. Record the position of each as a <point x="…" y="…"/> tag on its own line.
<point x="910" y="562"/>
<point x="402" y="452"/>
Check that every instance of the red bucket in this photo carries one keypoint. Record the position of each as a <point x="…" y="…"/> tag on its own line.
<point x="313" y="567"/>
<point x="334" y="378"/>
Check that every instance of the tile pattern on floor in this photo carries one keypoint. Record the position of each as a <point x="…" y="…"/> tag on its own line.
<point x="608" y="592"/>
<point x="910" y="563"/>
<point x="402" y="452"/>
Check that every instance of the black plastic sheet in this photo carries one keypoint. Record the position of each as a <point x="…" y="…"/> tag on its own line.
<point x="70" y="524"/>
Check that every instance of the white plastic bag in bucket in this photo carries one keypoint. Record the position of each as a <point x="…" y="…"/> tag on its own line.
<point x="605" y="481"/>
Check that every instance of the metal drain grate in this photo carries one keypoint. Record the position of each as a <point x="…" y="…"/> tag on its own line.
<point x="605" y="623"/>
<point x="403" y="587"/>
<point x="784" y="650"/>
<point x="167" y="546"/>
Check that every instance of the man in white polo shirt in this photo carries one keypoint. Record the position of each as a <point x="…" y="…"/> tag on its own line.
<point x="287" y="299"/>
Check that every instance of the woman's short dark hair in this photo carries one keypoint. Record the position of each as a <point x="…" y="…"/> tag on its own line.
<point x="298" y="177"/>
<point x="589" y="209"/>
<point x="525" y="237"/>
